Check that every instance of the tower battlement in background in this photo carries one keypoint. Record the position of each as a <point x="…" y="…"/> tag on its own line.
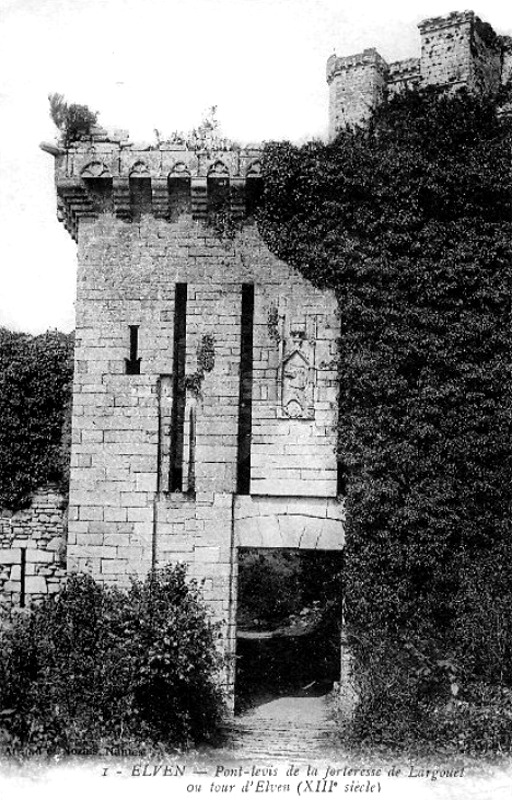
<point x="457" y="50"/>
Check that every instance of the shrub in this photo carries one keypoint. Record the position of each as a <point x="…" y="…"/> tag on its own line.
<point x="97" y="666"/>
<point x="402" y="686"/>
<point x="483" y="638"/>
<point x="73" y="121"/>
<point x="480" y="725"/>
<point x="276" y="585"/>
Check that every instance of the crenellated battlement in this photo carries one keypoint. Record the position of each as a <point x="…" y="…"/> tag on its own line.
<point x="356" y="85"/>
<point x="454" y="18"/>
<point x="368" y="58"/>
<point x="403" y="75"/>
<point x="111" y="175"/>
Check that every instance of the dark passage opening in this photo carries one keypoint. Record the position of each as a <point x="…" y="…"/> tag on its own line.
<point x="141" y="201"/>
<point x="288" y="624"/>
<point x="178" y="388"/>
<point x="245" y="397"/>
<point x="253" y="195"/>
<point x="179" y="197"/>
<point x="100" y="192"/>
<point x="218" y="195"/>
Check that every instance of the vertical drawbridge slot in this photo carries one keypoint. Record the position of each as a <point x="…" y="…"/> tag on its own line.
<point x="245" y="397"/>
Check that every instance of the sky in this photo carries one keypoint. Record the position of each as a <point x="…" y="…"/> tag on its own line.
<point x="159" y="64"/>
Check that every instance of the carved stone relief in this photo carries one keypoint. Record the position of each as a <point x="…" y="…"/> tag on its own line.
<point x="296" y="373"/>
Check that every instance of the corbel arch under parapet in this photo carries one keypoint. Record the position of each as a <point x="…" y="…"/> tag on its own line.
<point x="179" y="170"/>
<point x="139" y="169"/>
<point x="96" y="187"/>
<point x="218" y="170"/>
<point x="95" y="169"/>
<point x="253" y="169"/>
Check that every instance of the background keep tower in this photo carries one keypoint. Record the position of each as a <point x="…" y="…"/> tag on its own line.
<point x="458" y="50"/>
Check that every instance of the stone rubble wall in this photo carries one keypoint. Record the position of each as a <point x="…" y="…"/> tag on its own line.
<point x="39" y="530"/>
<point x="460" y="50"/>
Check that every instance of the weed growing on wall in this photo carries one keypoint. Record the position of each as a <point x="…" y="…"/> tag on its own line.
<point x="409" y="221"/>
<point x="74" y="121"/>
<point x="205" y="363"/>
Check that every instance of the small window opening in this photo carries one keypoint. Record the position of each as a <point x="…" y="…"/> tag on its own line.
<point x="133" y="363"/>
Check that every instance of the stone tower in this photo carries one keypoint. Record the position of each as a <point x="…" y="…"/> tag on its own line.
<point x="205" y="389"/>
<point x="204" y="400"/>
<point x="458" y="50"/>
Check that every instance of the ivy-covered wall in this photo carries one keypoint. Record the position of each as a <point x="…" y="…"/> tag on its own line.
<point x="409" y="221"/>
<point x="35" y="397"/>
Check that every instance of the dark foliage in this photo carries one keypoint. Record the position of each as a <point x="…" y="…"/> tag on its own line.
<point x="35" y="399"/>
<point x="274" y="586"/>
<point x="409" y="222"/>
<point x="97" y="667"/>
<point x="73" y="121"/>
